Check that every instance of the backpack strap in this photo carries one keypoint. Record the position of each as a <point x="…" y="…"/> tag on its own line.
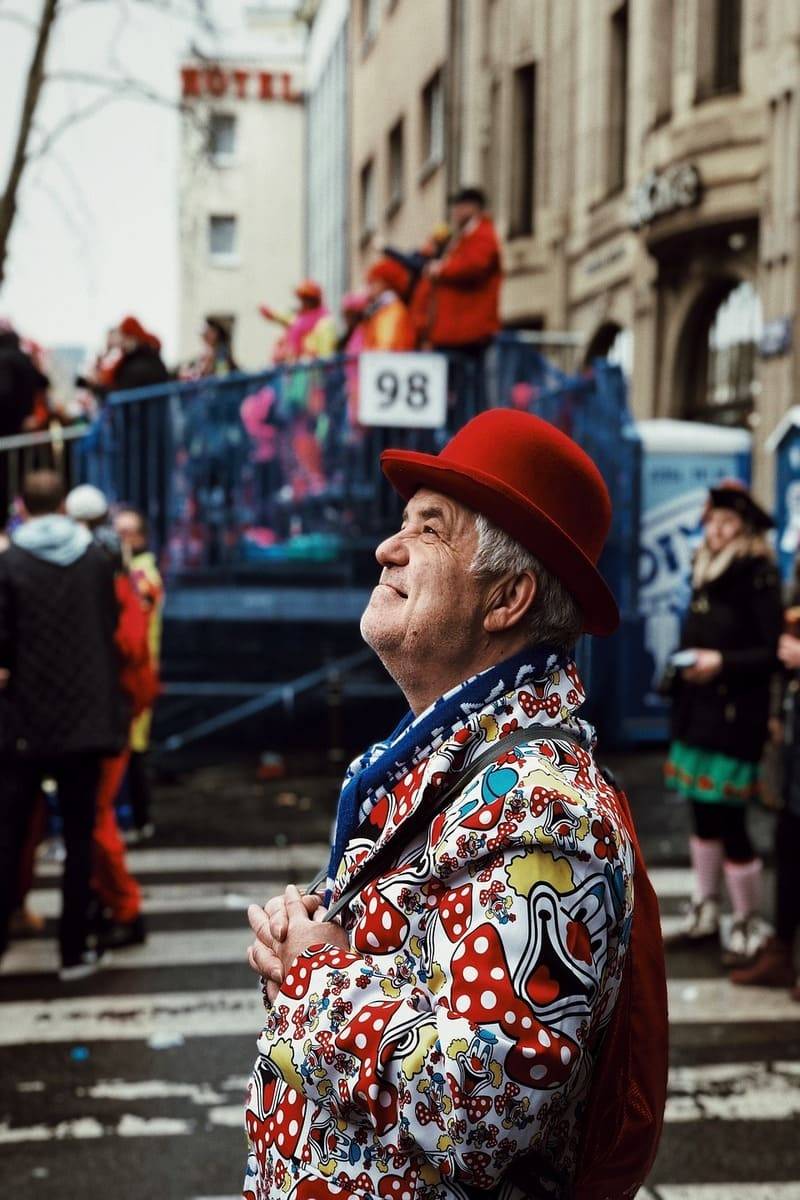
<point x="424" y="814"/>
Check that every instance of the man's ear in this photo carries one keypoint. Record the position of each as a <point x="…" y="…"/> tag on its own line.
<point x="508" y="602"/>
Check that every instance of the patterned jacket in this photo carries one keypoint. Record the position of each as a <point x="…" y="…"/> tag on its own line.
<point x="458" y="1031"/>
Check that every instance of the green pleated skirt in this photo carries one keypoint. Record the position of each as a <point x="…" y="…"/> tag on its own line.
<point x="711" y="777"/>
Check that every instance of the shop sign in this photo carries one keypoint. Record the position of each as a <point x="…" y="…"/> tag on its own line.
<point x="776" y="338"/>
<point x="239" y="83"/>
<point x="659" y="194"/>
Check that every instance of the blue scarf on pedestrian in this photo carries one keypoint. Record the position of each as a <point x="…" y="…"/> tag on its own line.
<point x="376" y="772"/>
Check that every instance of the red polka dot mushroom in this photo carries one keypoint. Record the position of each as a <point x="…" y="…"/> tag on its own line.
<point x="285" y="1125"/>
<point x="361" y="1037"/>
<point x="455" y="911"/>
<point x="477" y="1162"/>
<point x="382" y="927"/>
<point x="394" y="1187"/>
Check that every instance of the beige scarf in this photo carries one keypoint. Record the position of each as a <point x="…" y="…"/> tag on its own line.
<point x="708" y="566"/>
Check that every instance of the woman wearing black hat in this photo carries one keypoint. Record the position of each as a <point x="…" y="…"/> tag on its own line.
<point x="720" y="711"/>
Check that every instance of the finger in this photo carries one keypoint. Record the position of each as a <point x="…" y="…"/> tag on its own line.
<point x="320" y="914"/>
<point x="272" y="991"/>
<point x="264" y="962"/>
<point x="279" y="924"/>
<point x="312" y="902"/>
<point x="295" y="909"/>
<point x="274" y="905"/>
<point x="259" y="923"/>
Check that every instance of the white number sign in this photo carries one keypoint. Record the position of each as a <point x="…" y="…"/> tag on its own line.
<point x="402" y="390"/>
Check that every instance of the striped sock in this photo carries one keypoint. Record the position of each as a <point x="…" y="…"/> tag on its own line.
<point x="743" y="881"/>
<point x="706" y="856"/>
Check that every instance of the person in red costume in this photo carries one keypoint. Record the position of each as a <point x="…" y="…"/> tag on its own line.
<point x="464" y="284"/>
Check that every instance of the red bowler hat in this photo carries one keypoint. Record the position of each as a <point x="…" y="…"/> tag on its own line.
<point x="533" y="482"/>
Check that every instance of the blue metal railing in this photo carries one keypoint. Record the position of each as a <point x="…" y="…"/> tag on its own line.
<point x="270" y="474"/>
<point x="268" y="478"/>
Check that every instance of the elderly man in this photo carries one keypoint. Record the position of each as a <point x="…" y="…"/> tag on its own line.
<point x="439" y="1041"/>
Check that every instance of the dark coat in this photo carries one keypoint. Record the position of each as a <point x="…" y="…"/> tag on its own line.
<point x="57" y="626"/>
<point x="140" y="367"/>
<point x="20" y="380"/>
<point x="740" y="615"/>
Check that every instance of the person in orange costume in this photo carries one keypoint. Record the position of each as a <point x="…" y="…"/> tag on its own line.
<point x="463" y="312"/>
<point x="387" y="324"/>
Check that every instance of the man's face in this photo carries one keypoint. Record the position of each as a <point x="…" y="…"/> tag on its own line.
<point x="425" y="617"/>
<point x="462" y="212"/>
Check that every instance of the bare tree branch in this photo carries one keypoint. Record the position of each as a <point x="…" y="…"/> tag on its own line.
<point x="33" y="88"/>
<point x="117" y="85"/>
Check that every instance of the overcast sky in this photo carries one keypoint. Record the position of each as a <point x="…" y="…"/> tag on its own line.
<point x="96" y="234"/>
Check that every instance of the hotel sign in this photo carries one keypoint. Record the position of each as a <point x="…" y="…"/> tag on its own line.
<point x="660" y="194"/>
<point x="215" y="83"/>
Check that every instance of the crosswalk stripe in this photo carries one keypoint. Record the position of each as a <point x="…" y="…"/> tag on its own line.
<point x="723" y="1191"/>
<point x="305" y="858"/>
<point x="180" y="948"/>
<point x="745" y="1091"/>
<point x="158" y="1016"/>
<point x="239" y="1011"/>
<point x="671" y="882"/>
<point x="128" y="1125"/>
<point x="160" y="898"/>
<point x="716" y="1001"/>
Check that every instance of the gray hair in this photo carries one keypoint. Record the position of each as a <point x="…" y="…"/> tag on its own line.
<point x="554" y="618"/>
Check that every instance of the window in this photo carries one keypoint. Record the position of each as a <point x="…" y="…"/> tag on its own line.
<point x="663" y="35"/>
<point x="723" y="333"/>
<point x="492" y="157"/>
<point x="367" y="200"/>
<point x="618" y="100"/>
<point x="432" y="122"/>
<point x="719" y="45"/>
<point x="396" y="168"/>
<point x="727" y="48"/>
<point x="523" y="152"/>
<point x="222" y="239"/>
<point x="222" y="138"/>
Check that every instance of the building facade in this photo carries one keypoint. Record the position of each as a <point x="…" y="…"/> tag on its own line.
<point x="241" y="180"/>
<point x="641" y="157"/>
<point x="327" y="162"/>
<point x="398" y="179"/>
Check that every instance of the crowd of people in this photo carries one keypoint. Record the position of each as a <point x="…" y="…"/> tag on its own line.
<point x="443" y="296"/>
<point x="80" y="603"/>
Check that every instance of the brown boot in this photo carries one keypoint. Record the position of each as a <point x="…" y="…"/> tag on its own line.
<point x="772" y="968"/>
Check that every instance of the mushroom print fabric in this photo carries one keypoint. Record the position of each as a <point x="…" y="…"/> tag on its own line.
<point x="458" y="1031"/>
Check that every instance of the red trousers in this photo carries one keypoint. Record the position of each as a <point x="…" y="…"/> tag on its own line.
<point x="111" y="879"/>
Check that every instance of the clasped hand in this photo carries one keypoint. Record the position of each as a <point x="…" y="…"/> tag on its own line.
<point x="285" y="927"/>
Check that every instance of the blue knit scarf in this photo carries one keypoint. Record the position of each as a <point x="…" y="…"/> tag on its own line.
<point x="376" y="772"/>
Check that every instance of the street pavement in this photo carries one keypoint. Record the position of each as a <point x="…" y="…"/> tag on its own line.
<point x="131" y="1082"/>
